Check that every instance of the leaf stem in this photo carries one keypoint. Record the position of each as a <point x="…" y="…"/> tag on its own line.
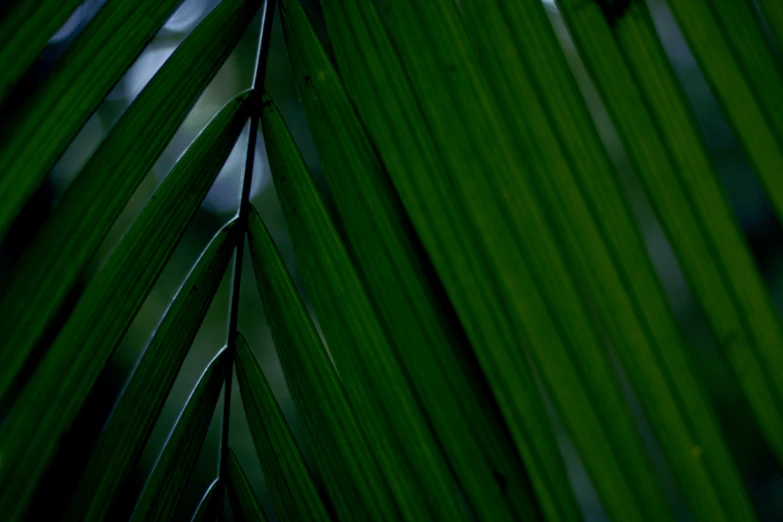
<point x="244" y="203"/>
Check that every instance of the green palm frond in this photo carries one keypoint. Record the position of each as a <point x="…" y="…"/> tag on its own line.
<point x="164" y="487"/>
<point x="489" y="337"/>
<point x="241" y="493"/>
<point x="353" y="478"/>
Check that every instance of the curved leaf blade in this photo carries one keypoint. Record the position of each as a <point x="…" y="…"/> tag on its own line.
<point x="351" y="474"/>
<point x="246" y="505"/>
<point x="40" y="130"/>
<point x="205" y="512"/>
<point x="452" y="389"/>
<point x="375" y="381"/>
<point x="137" y="410"/>
<point x="25" y="28"/>
<point x="172" y="470"/>
<point x="54" y="394"/>
<point x="56" y="256"/>
<point x="287" y="476"/>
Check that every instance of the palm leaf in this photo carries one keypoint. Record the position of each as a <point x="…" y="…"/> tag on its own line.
<point x="50" y="117"/>
<point x="172" y="470"/>
<point x="205" y="512"/>
<point x="55" y="258"/>
<point x="609" y="257"/>
<point x="350" y="470"/>
<point x="668" y="154"/>
<point x="374" y="380"/>
<point x="513" y="213"/>
<point x="51" y="399"/>
<point x="746" y="108"/>
<point x="399" y="281"/>
<point x="761" y="68"/>
<point x="134" y="416"/>
<point x="487" y="274"/>
<point x="246" y="505"/>
<point x="287" y="476"/>
<point x="25" y="28"/>
<point x="375" y="78"/>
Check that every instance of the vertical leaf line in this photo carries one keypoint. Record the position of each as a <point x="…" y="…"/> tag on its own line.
<point x="244" y="203"/>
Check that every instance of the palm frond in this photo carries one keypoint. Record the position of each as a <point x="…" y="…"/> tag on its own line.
<point x="399" y="280"/>
<point x="55" y="258"/>
<point x="350" y="469"/>
<point x="137" y="410"/>
<point x="649" y="108"/>
<point x="172" y="470"/>
<point x="240" y="492"/>
<point x="40" y="130"/>
<point x="390" y="109"/>
<point x="746" y="107"/>
<point x="55" y="392"/>
<point x="395" y="426"/>
<point x="287" y="476"/>
<point x="484" y="290"/>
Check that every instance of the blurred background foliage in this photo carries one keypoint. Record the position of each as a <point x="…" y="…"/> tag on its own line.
<point x="762" y="231"/>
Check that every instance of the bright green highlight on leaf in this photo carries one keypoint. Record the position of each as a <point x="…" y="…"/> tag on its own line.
<point x="172" y="470"/>
<point x="286" y="473"/>
<point x="350" y="470"/>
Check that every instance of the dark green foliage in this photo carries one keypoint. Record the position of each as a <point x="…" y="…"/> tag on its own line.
<point x="171" y="472"/>
<point x="481" y="290"/>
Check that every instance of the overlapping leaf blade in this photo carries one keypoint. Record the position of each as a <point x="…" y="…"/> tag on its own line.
<point x="25" y="28"/>
<point x="374" y="76"/>
<point x="651" y="113"/>
<point x="736" y="91"/>
<point x="50" y="117"/>
<point x="56" y="256"/>
<point x="399" y="279"/>
<point x="137" y="410"/>
<point x="350" y="470"/>
<point x="446" y="132"/>
<point x="287" y="476"/>
<point x="395" y="427"/>
<point x="57" y="389"/>
<point x="246" y="505"/>
<point x="494" y="178"/>
<point x="175" y="464"/>
<point x="576" y="183"/>
<point x="743" y="32"/>
<point x="206" y="512"/>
